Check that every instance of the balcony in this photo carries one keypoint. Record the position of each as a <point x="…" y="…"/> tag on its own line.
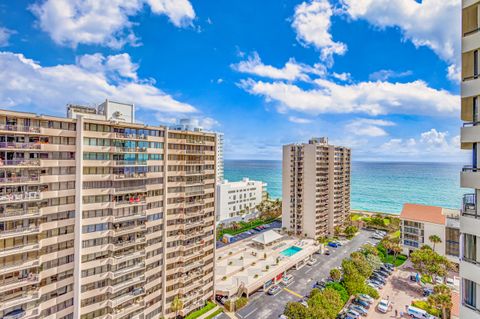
<point x="18" y="300"/>
<point x="18" y="179"/>
<point x="20" y="231"/>
<point x="130" y="176"/>
<point x="126" y="297"/>
<point x="131" y="136"/>
<point x="19" y="214"/>
<point x="195" y="152"/>
<point x="128" y="256"/>
<point x="19" y="128"/>
<point x="195" y="172"/>
<point x="470" y="205"/>
<point x="470" y="177"/>
<point x="125" y="244"/>
<point x="20" y="162"/>
<point x="16" y="266"/>
<point x="130" y="163"/>
<point x="129" y="229"/>
<point x="21" y="146"/>
<point x="18" y="249"/>
<point x="19" y="197"/>
<point x="130" y="149"/>
<point x="19" y="282"/>
<point x="130" y="189"/>
<point x="127" y="270"/>
<point x="126" y="283"/>
<point x="131" y="202"/>
<point x="139" y="215"/>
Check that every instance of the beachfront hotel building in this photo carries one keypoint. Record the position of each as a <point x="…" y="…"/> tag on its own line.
<point x="315" y="187"/>
<point x="419" y="222"/>
<point x="101" y="217"/>
<point x="237" y="200"/>
<point x="470" y="175"/>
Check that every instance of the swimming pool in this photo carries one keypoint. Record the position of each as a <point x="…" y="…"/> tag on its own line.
<point x="290" y="251"/>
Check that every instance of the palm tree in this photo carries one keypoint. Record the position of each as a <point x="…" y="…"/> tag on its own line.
<point x="177" y="305"/>
<point x="441" y="299"/>
<point x="435" y="240"/>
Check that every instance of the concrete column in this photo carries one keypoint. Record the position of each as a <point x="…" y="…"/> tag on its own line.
<point x="77" y="275"/>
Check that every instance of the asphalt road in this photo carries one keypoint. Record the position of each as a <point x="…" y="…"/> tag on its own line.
<point x="264" y="306"/>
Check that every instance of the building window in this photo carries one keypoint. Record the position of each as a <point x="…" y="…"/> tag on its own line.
<point x="470" y="247"/>
<point x="452" y="236"/>
<point x="469" y="293"/>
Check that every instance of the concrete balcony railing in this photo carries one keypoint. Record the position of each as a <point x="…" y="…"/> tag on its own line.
<point x="19" y="128"/>
<point x="20" y="162"/>
<point x="132" y="202"/>
<point x="14" y="214"/>
<point x="127" y="270"/>
<point x="22" y="146"/>
<point x="126" y="297"/>
<point x="18" y="249"/>
<point x="24" y="264"/>
<point x="195" y="172"/>
<point x="123" y="244"/>
<point x="130" y="149"/>
<point x="32" y="229"/>
<point x="195" y="152"/>
<point x="130" y="189"/>
<point x="141" y="214"/>
<point x="129" y="229"/>
<point x="118" y="259"/>
<point x="18" y="179"/>
<point x="18" y="300"/>
<point x="18" y="283"/>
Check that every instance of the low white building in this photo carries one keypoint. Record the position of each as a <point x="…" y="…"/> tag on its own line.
<point x="236" y="200"/>
<point x="419" y="222"/>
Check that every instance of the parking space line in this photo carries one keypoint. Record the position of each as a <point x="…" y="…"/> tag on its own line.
<point x="293" y="293"/>
<point x="309" y="270"/>
<point x="248" y="314"/>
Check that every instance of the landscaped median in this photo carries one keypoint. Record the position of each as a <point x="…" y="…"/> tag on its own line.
<point x="200" y="312"/>
<point x="241" y="227"/>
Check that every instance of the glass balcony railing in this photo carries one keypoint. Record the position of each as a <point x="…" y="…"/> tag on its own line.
<point x="469" y="207"/>
<point x="17" y="145"/>
<point x="20" y="162"/>
<point x="19" y="128"/>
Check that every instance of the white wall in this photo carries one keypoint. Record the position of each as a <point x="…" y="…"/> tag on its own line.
<point x="233" y="197"/>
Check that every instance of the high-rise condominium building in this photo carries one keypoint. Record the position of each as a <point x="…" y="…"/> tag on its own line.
<point x="101" y="217"/>
<point x="470" y="176"/>
<point x="192" y="124"/>
<point x="315" y="187"/>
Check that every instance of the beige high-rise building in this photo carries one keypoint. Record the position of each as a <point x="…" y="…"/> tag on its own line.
<point x="101" y="217"/>
<point x="470" y="176"/>
<point x="315" y="187"/>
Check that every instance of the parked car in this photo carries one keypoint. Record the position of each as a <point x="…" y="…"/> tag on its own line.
<point x="427" y="291"/>
<point x="390" y="266"/>
<point x="359" y="309"/>
<point x="287" y="279"/>
<point x="353" y="314"/>
<point x="415" y="312"/>
<point x="383" y="306"/>
<point x="319" y="285"/>
<point x="332" y="244"/>
<point x="375" y="284"/>
<point x="311" y="261"/>
<point x="274" y="290"/>
<point x="327" y="252"/>
<point x="382" y="273"/>
<point x="378" y="278"/>
<point x="366" y="297"/>
<point x="362" y="302"/>
<point x="386" y="269"/>
<point x="372" y="285"/>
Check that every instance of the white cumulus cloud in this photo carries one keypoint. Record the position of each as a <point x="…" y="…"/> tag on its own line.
<point x="102" y="22"/>
<point x="291" y="71"/>
<point x="90" y="80"/>
<point x="431" y="23"/>
<point x="312" y="22"/>
<point x="299" y="120"/>
<point x="5" y="36"/>
<point x="373" y="98"/>
<point x="368" y="127"/>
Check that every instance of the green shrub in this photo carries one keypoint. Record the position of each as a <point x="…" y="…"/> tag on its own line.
<point x="240" y="303"/>
<point x="425" y="306"/>
<point x="227" y="305"/>
<point x="340" y="289"/>
<point x="372" y="292"/>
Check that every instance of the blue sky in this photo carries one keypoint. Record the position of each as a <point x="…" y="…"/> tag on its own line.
<point x="380" y="77"/>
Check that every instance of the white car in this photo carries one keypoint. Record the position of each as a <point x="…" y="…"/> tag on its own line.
<point x="311" y="261"/>
<point x="383" y="305"/>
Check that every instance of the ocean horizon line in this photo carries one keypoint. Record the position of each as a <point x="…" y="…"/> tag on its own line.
<point x="357" y="161"/>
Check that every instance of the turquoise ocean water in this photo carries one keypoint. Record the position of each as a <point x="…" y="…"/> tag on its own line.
<point x="381" y="187"/>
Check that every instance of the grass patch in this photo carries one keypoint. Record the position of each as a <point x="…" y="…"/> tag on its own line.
<point x="382" y="253"/>
<point x="426" y="279"/>
<point x="244" y="226"/>
<point x="355" y="217"/>
<point x="209" y="306"/>
<point x="216" y="313"/>
<point x="425" y="306"/>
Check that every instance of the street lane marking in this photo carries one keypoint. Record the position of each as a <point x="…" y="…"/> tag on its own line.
<point x="309" y="270"/>
<point x="293" y="293"/>
<point x="251" y="312"/>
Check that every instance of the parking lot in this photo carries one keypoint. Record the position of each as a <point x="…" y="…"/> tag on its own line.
<point x="264" y="306"/>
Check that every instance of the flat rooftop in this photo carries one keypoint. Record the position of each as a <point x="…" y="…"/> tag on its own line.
<point x="243" y="263"/>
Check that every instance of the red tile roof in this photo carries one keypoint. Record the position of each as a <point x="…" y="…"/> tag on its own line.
<point x="423" y="213"/>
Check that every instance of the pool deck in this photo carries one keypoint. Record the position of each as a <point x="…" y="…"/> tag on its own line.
<point x="242" y="264"/>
